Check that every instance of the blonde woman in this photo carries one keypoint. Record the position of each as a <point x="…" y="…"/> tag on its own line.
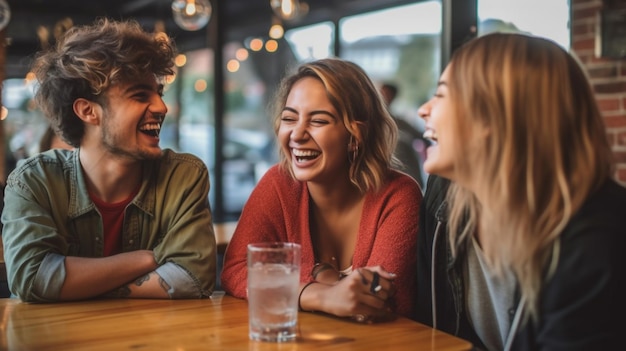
<point x="335" y="193"/>
<point x="525" y="248"/>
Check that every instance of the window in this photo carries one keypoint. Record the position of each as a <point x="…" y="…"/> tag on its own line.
<point x="24" y="124"/>
<point x="312" y="42"/>
<point x="249" y="148"/>
<point x="545" y="18"/>
<point x="402" y="48"/>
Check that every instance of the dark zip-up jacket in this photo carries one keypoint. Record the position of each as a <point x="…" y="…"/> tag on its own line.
<point x="581" y="305"/>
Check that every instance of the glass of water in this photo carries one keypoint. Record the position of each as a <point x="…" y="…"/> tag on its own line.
<point x="273" y="282"/>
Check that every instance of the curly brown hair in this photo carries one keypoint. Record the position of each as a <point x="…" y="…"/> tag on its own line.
<point x="88" y="60"/>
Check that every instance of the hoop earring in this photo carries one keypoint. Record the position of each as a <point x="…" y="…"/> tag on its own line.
<point x="353" y="148"/>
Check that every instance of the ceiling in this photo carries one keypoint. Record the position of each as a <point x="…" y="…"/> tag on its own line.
<point x="238" y="20"/>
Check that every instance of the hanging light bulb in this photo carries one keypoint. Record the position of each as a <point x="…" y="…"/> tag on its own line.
<point x="191" y="14"/>
<point x="5" y="14"/>
<point x="289" y="10"/>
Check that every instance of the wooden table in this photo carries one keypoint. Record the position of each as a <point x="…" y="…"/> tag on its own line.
<point x="186" y="325"/>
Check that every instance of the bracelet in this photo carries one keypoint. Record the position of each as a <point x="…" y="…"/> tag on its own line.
<point x="300" y="296"/>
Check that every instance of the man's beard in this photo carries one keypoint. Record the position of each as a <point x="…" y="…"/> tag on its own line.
<point x="111" y="143"/>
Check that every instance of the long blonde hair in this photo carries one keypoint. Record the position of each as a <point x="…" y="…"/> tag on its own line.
<point x="544" y="152"/>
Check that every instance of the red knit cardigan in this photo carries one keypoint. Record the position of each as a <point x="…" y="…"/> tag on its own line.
<point x="278" y="210"/>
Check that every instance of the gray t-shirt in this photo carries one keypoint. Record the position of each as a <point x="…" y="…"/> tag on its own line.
<point x="490" y="298"/>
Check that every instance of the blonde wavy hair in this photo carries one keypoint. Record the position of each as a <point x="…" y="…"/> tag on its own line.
<point x="357" y="101"/>
<point x="544" y="152"/>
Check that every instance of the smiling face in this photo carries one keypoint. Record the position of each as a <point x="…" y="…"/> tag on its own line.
<point x="132" y="119"/>
<point x="312" y="134"/>
<point x="438" y="113"/>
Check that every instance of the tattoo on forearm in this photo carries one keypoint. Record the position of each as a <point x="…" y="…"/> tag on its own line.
<point x="121" y="292"/>
<point x="142" y="279"/>
<point x="164" y="285"/>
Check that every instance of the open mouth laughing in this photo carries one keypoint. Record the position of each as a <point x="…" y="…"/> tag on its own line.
<point x="151" y="129"/>
<point x="305" y="155"/>
<point x="431" y="135"/>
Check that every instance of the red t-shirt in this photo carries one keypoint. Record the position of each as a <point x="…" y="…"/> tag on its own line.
<point x="112" y="222"/>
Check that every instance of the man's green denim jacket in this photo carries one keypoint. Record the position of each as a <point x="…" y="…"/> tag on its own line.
<point x="49" y="215"/>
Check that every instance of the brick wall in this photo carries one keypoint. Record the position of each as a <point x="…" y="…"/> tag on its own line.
<point x="608" y="76"/>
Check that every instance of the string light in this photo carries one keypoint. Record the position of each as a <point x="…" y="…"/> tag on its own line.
<point x="180" y="60"/>
<point x="271" y="45"/>
<point x="200" y="85"/>
<point x="276" y="31"/>
<point x="242" y="54"/>
<point x="232" y="66"/>
<point x="256" y="44"/>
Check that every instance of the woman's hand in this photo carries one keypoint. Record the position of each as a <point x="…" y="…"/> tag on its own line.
<point x="364" y="294"/>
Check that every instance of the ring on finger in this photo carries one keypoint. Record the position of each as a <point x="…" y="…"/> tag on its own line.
<point x="360" y="318"/>
<point x="375" y="286"/>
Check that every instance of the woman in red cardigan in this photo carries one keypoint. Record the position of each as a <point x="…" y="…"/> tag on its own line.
<point x="335" y="193"/>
